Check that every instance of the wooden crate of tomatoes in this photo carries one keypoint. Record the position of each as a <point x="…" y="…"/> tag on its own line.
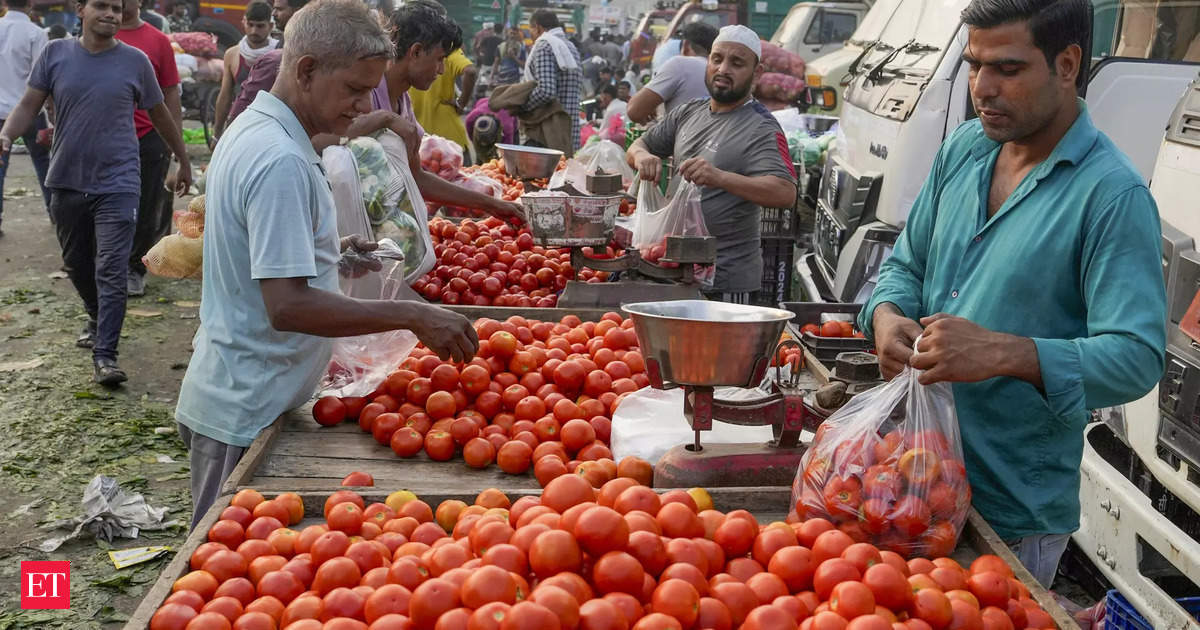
<point x="573" y="557"/>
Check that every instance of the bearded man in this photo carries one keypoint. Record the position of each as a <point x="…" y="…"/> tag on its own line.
<point x="734" y="150"/>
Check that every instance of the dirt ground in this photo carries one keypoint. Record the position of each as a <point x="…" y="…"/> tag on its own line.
<point x="58" y="430"/>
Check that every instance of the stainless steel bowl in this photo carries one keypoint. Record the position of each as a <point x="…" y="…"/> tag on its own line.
<point x="529" y="162"/>
<point x="698" y="342"/>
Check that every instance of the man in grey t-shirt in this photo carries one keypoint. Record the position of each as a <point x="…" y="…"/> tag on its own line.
<point x="681" y="79"/>
<point x="95" y="179"/>
<point x="734" y="149"/>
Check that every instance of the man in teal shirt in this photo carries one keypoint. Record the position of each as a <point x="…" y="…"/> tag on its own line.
<point x="1031" y="260"/>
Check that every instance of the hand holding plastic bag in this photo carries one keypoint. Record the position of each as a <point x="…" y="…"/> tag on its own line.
<point x="359" y="364"/>
<point x="888" y="469"/>
<point x="681" y="216"/>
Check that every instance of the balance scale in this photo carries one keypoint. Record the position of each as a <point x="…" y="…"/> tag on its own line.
<point x="701" y="347"/>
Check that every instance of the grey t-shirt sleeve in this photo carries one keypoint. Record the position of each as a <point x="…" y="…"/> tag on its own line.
<point x="39" y="77"/>
<point x="765" y="154"/>
<point x="149" y="93"/>
<point x="660" y="139"/>
<point x="667" y="81"/>
<point x="279" y="220"/>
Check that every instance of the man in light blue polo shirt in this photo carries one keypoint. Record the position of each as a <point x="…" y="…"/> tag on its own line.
<point x="1031" y="260"/>
<point x="270" y="299"/>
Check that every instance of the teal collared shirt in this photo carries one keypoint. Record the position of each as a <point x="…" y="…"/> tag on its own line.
<point x="269" y="213"/>
<point x="1073" y="260"/>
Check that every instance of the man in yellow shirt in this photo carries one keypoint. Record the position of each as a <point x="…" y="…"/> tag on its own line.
<point x="438" y="110"/>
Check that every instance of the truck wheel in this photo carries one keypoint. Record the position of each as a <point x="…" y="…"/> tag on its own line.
<point x="227" y="34"/>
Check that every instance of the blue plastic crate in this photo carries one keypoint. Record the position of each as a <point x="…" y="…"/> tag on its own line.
<point x="1119" y="614"/>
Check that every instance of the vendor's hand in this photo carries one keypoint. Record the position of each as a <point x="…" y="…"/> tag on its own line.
<point x="45" y="137"/>
<point x="447" y="334"/>
<point x="358" y="243"/>
<point x="649" y="167"/>
<point x="183" y="178"/>
<point x="894" y="337"/>
<point x="958" y="350"/>
<point x="701" y="172"/>
<point x="507" y="210"/>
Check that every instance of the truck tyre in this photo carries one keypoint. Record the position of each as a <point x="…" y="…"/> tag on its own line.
<point x="227" y="34"/>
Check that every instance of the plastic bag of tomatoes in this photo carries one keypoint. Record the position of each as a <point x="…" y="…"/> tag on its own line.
<point x="357" y="365"/>
<point x="887" y="468"/>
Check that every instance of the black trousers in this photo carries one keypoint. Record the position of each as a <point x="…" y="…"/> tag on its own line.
<point x="154" y="207"/>
<point x="96" y="232"/>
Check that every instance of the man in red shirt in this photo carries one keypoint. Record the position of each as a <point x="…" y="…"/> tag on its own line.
<point x="154" y="206"/>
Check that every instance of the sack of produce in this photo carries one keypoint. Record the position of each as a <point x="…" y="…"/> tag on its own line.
<point x="175" y="256"/>
<point x="887" y="468"/>
<point x="359" y="364"/>
<point x="441" y="157"/>
<point x="776" y="59"/>
<point x="777" y="87"/>
<point x="655" y="220"/>
<point x="196" y="44"/>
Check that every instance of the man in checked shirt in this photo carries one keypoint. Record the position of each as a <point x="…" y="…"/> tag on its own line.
<point x="554" y="63"/>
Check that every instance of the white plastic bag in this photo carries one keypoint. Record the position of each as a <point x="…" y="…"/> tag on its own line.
<point x="681" y="216"/>
<point x="890" y="464"/>
<point x="650" y="422"/>
<point x="359" y="364"/>
<point x="573" y="173"/>
<point x="607" y="155"/>
<point x="407" y="216"/>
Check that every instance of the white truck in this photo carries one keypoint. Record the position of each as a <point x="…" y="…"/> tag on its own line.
<point x="910" y="92"/>
<point x="1140" y="475"/>
<point x="834" y="69"/>
<point x="814" y="29"/>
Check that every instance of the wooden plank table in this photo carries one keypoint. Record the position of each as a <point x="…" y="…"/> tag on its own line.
<point x="765" y="503"/>
<point x="297" y="454"/>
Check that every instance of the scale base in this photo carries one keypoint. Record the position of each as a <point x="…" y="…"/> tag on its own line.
<point x="727" y="465"/>
<point x="614" y="294"/>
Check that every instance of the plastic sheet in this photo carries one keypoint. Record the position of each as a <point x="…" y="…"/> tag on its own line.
<point x="650" y="422"/>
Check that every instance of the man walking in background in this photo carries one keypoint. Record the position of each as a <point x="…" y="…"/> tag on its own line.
<point x="681" y="79"/>
<point x="96" y="82"/>
<point x="263" y="72"/>
<point x="153" y="154"/>
<point x="179" y="20"/>
<point x="257" y="42"/>
<point x="21" y="41"/>
<point x="554" y="64"/>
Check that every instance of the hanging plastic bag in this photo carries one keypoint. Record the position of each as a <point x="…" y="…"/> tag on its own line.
<point x="609" y="156"/>
<point x="441" y="157"/>
<point x="887" y="468"/>
<point x="681" y="216"/>
<point x="359" y="364"/>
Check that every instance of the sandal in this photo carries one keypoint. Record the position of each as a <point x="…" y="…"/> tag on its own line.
<point x="87" y="338"/>
<point x="107" y="373"/>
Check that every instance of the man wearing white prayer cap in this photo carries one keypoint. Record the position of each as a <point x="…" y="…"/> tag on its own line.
<point x="734" y="150"/>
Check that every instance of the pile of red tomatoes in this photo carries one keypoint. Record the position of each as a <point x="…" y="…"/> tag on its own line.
<point x="492" y="263"/>
<point x="534" y="389"/>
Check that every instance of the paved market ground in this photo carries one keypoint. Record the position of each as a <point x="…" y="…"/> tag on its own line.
<point x="58" y="430"/>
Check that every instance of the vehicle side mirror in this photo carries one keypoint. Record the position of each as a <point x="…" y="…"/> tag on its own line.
<point x="824" y="96"/>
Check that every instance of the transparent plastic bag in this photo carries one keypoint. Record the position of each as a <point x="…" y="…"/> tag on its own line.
<point x="607" y="155"/>
<point x="441" y="157"/>
<point x="574" y="173"/>
<point x="887" y="468"/>
<point x="655" y="220"/>
<point x="359" y="364"/>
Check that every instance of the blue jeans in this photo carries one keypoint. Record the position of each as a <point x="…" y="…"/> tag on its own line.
<point x="96" y="235"/>
<point x="38" y="153"/>
<point x="1040" y="554"/>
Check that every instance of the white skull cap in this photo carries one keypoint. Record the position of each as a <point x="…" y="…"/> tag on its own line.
<point x="739" y="34"/>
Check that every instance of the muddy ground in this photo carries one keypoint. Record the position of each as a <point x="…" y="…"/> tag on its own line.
<point x="58" y="430"/>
